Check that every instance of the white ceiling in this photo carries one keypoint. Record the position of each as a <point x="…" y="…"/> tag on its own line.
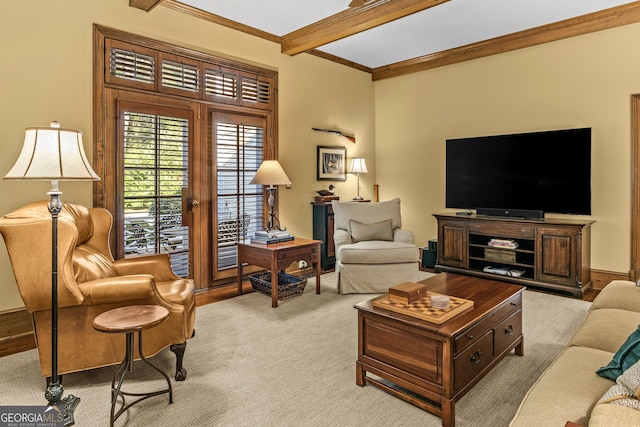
<point x="449" y="25"/>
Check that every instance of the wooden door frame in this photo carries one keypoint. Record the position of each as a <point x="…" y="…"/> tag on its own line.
<point x="635" y="187"/>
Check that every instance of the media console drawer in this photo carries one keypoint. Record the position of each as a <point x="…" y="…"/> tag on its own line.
<point x="503" y="229"/>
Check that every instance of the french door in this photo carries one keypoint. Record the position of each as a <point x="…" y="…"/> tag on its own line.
<point x="178" y="134"/>
<point x="183" y="186"/>
<point x="153" y="176"/>
<point x="237" y="143"/>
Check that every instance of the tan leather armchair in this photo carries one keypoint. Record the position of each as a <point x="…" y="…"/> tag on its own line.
<point x="91" y="282"/>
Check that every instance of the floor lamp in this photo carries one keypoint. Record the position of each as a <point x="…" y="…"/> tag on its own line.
<point x="270" y="173"/>
<point x="358" y="166"/>
<point x="54" y="154"/>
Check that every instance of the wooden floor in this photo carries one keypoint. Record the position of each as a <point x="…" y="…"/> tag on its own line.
<point x="221" y="293"/>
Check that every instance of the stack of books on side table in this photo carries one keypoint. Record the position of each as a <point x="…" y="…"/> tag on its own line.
<point x="266" y="237"/>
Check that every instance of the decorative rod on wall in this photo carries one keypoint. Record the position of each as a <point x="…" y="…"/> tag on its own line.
<point x="349" y="137"/>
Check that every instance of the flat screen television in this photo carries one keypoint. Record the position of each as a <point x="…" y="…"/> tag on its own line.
<point x="540" y="171"/>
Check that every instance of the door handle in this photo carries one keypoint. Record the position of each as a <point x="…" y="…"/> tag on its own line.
<point x="188" y="203"/>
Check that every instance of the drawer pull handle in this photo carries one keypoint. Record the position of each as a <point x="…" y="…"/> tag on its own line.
<point x="475" y="358"/>
<point x="508" y="330"/>
<point x="513" y="304"/>
<point x="470" y="336"/>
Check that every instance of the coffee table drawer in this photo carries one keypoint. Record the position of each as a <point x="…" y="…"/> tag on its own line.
<point x="473" y="360"/>
<point x="472" y="334"/>
<point x="507" y="332"/>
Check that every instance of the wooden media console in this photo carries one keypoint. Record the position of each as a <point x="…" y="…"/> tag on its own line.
<point x="552" y="253"/>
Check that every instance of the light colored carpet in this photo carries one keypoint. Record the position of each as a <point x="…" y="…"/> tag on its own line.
<point x="251" y="365"/>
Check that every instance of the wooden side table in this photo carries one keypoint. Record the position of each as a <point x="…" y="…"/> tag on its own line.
<point x="277" y="257"/>
<point x="129" y="320"/>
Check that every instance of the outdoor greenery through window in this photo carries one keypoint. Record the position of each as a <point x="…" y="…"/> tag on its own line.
<point x="155" y="170"/>
<point x="239" y="154"/>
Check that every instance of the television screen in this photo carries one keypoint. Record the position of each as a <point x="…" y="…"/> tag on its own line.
<point x="548" y="171"/>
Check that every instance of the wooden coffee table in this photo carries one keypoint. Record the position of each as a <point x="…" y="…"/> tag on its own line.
<point x="431" y="365"/>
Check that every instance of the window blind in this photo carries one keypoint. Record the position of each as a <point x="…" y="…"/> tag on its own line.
<point x="155" y="170"/>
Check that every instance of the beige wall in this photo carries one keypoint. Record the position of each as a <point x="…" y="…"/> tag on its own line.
<point x="402" y="122"/>
<point x="47" y="75"/>
<point x="585" y="81"/>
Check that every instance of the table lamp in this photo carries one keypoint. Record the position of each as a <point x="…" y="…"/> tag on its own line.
<point x="358" y="166"/>
<point x="270" y="173"/>
<point x="53" y="154"/>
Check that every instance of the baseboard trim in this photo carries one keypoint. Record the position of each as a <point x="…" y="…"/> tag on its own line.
<point x="16" y="332"/>
<point x="600" y="278"/>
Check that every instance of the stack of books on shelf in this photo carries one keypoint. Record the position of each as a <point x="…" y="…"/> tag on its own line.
<point x="503" y="243"/>
<point x="266" y="237"/>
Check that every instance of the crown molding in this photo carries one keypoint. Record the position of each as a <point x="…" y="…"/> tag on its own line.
<point x="377" y="12"/>
<point x="597" y="21"/>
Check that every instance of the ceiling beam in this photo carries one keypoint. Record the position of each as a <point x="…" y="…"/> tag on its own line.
<point x="145" y="5"/>
<point x="597" y="21"/>
<point x="350" y="22"/>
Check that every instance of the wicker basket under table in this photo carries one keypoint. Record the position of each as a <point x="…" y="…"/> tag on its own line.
<point x="289" y="286"/>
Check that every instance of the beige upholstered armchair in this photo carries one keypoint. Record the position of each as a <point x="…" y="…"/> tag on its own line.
<point x="91" y="282"/>
<point x="373" y="252"/>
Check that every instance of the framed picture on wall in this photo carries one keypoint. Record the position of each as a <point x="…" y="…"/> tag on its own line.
<point x="332" y="163"/>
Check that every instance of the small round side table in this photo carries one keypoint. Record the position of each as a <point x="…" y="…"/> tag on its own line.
<point x="129" y="320"/>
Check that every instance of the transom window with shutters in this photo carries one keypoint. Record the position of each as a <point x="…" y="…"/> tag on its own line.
<point x="179" y="135"/>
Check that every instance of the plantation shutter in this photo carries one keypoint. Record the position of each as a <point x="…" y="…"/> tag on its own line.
<point x="155" y="161"/>
<point x="162" y="88"/>
<point x="239" y="149"/>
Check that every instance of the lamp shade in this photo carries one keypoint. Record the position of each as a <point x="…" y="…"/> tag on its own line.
<point x="270" y="173"/>
<point x="52" y="153"/>
<point x="358" y="165"/>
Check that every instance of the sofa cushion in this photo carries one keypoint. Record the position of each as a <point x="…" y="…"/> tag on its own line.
<point x="378" y="252"/>
<point x="566" y="391"/>
<point x="607" y="415"/>
<point x="378" y="231"/>
<point x="626" y="356"/>
<point x="606" y="329"/>
<point x="620" y="294"/>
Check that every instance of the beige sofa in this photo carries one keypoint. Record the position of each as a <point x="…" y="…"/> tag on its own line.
<point x="570" y="389"/>
<point x="373" y="252"/>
